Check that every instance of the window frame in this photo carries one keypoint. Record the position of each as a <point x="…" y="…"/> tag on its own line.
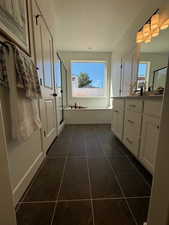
<point x="105" y="79"/>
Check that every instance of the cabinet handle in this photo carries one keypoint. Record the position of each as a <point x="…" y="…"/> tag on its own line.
<point x="36" y="17"/>
<point x="158" y="127"/>
<point x="129" y="141"/>
<point x="116" y="111"/>
<point x="130" y="121"/>
<point x="133" y="106"/>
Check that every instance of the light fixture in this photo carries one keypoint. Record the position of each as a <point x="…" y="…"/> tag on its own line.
<point x="155" y="21"/>
<point x="139" y="38"/>
<point x="165" y="25"/>
<point x="151" y="28"/>
<point x="146" y="30"/>
<point x="148" y="39"/>
<point x="155" y="32"/>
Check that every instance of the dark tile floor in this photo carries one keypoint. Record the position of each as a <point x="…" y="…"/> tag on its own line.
<point x="88" y="178"/>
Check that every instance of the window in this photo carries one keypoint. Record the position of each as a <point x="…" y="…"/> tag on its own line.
<point x="88" y="79"/>
<point x="143" y="73"/>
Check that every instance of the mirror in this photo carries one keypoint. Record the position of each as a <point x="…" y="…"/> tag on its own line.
<point x="153" y="63"/>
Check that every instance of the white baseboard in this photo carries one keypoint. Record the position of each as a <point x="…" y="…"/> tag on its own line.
<point x="26" y="179"/>
<point x="61" y="127"/>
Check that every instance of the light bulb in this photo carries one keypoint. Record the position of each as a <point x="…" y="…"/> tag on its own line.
<point x="155" y="21"/>
<point x="146" y="30"/>
<point x="148" y="39"/>
<point x="139" y="37"/>
<point x="155" y="32"/>
<point x="164" y="25"/>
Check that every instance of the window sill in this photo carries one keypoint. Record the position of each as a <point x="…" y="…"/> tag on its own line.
<point x="95" y="97"/>
<point x="88" y="109"/>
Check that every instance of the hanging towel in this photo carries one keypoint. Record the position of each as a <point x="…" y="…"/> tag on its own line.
<point x="24" y="111"/>
<point x="3" y="69"/>
<point x="26" y="74"/>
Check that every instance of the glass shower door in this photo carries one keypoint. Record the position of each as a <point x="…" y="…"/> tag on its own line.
<point x="59" y="88"/>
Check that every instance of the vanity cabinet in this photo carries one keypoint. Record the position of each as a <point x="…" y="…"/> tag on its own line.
<point x="118" y="117"/>
<point x="136" y="122"/>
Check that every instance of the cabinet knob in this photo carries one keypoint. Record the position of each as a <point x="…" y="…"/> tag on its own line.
<point x="158" y="127"/>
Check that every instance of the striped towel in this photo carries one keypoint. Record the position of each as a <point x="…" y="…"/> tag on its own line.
<point x="3" y="69"/>
<point x="26" y="73"/>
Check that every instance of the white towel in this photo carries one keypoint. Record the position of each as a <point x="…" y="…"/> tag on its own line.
<point x="24" y="111"/>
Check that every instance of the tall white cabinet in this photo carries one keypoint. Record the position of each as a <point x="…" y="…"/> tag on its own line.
<point x="135" y="121"/>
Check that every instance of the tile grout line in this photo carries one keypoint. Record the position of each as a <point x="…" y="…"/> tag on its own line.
<point x="61" y="182"/>
<point x="122" y="191"/>
<point x="85" y="199"/>
<point x="117" y="179"/>
<point x="89" y="180"/>
<point x="137" y="170"/>
<point x="33" y="180"/>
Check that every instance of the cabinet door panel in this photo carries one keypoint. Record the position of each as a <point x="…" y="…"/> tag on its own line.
<point x="149" y="141"/>
<point x="117" y="123"/>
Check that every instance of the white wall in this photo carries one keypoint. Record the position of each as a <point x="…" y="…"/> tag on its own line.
<point x="98" y="56"/>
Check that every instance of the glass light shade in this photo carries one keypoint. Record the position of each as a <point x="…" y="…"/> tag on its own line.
<point x="148" y="39"/>
<point x="146" y="30"/>
<point x="165" y="25"/>
<point x="139" y="38"/>
<point x="155" y="21"/>
<point x="155" y="32"/>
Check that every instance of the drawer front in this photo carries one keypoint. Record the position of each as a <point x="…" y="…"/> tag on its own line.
<point x="132" y="132"/>
<point x="152" y="107"/>
<point x="118" y="104"/>
<point x="134" y="105"/>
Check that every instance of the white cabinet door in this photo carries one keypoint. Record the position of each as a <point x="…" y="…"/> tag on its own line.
<point x="117" y="123"/>
<point x="149" y="141"/>
<point x="45" y="64"/>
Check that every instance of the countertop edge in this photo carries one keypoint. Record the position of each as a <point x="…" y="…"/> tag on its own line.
<point x="138" y="97"/>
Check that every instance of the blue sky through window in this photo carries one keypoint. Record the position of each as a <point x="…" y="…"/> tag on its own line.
<point x="58" y="75"/>
<point x="95" y="70"/>
<point x="142" y="70"/>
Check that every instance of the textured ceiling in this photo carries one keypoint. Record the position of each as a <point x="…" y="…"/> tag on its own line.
<point x="98" y="25"/>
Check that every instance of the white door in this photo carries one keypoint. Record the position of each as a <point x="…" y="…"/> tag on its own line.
<point x="45" y="66"/>
<point x="126" y="74"/>
<point x="7" y="212"/>
<point x="149" y="141"/>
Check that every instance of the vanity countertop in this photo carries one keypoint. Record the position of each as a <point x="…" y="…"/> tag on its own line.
<point x="139" y="97"/>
